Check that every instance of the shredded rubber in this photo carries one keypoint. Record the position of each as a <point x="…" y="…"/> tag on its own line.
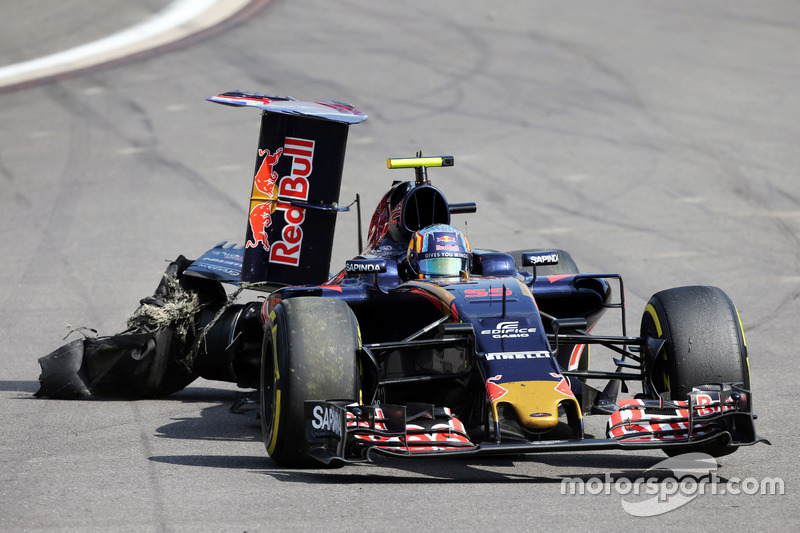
<point x="177" y="311"/>
<point x="188" y="361"/>
<point x="82" y="330"/>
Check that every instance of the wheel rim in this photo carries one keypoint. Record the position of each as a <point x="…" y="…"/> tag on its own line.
<point x="269" y="396"/>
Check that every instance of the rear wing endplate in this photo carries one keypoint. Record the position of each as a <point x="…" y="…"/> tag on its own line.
<point x="296" y="183"/>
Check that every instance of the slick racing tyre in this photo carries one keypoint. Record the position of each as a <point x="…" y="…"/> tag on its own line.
<point x="705" y="346"/>
<point x="705" y="342"/>
<point x="309" y="352"/>
<point x="566" y="265"/>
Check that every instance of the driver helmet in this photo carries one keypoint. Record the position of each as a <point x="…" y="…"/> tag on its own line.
<point x="439" y="250"/>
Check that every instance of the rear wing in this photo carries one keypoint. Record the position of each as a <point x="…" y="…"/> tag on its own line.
<point x="295" y="193"/>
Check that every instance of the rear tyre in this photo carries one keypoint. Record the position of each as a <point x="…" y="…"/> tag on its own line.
<point x="309" y="352"/>
<point x="705" y="345"/>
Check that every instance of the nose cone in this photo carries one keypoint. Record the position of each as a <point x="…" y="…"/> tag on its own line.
<point x="536" y="402"/>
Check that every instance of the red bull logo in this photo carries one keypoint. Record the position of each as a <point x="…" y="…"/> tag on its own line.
<point x="264" y="183"/>
<point x="445" y="238"/>
<point x="396" y="213"/>
<point x="266" y="200"/>
<point x="260" y="220"/>
<point x="563" y="385"/>
<point x="266" y="177"/>
<point x="495" y="391"/>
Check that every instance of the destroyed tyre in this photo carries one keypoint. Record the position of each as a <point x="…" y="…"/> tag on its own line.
<point x="309" y="352"/>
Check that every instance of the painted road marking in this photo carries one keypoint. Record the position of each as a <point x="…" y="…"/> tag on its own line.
<point x="178" y="20"/>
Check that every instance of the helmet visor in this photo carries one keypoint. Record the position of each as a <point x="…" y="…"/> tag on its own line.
<point x="442" y="266"/>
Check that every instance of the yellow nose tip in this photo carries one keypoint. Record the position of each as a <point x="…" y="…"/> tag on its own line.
<point x="536" y="403"/>
<point x="539" y="420"/>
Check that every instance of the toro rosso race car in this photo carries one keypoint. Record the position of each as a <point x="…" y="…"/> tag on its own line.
<point x="421" y="345"/>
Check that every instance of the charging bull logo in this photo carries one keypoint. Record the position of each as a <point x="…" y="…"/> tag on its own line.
<point x="266" y="177"/>
<point x="495" y="391"/>
<point x="260" y="220"/>
<point x="264" y="189"/>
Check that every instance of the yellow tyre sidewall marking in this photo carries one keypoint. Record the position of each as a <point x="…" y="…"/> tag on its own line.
<point x="652" y="312"/>
<point x="744" y="340"/>
<point x="649" y="309"/>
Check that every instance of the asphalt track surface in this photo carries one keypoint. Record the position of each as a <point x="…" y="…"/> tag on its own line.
<point x="654" y="139"/>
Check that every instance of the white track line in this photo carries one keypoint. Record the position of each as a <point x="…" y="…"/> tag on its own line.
<point x="178" y="20"/>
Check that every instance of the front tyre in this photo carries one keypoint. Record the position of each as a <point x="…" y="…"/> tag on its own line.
<point x="310" y="352"/>
<point x="705" y="346"/>
<point x="705" y="341"/>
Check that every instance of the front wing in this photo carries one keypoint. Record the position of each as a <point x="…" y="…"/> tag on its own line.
<point x="340" y="432"/>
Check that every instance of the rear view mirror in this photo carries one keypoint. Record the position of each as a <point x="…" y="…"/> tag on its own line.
<point x="540" y="258"/>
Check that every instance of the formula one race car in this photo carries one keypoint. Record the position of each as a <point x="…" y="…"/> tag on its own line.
<point x="421" y="345"/>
